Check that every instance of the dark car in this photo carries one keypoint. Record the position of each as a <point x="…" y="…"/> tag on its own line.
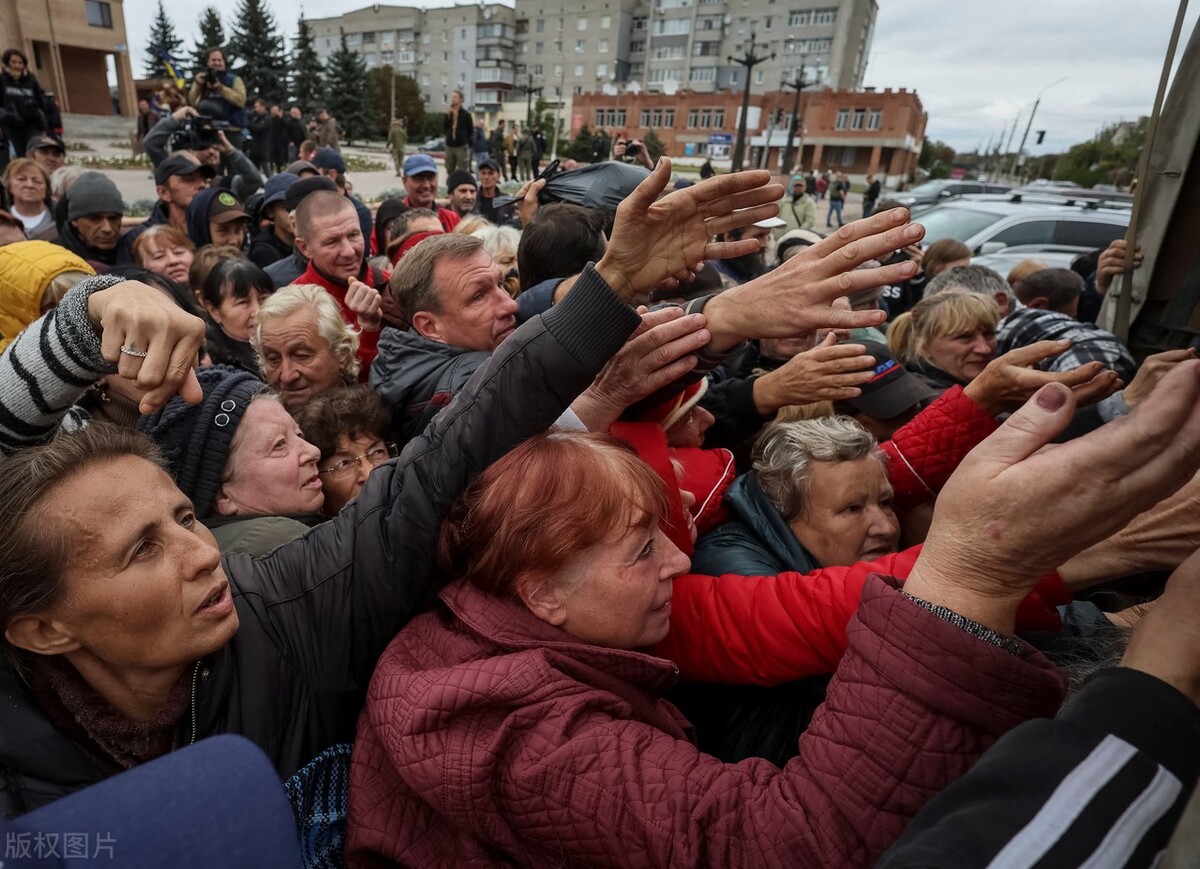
<point x="933" y="192"/>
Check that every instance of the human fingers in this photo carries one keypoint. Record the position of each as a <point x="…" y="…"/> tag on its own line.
<point x="1036" y="423"/>
<point x="656" y="378"/>
<point x="668" y="341"/>
<point x="131" y="353"/>
<point x="751" y="198"/>
<point x="721" y="186"/>
<point x="853" y="251"/>
<point x="731" y="249"/>
<point x="657" y="317"/>
<point x="647" y="193"/>
<point x="1096" y="389"/>
<point x="180" y="377"/>
<point x="724" y="223"/>
<point x="1032" y="354"/>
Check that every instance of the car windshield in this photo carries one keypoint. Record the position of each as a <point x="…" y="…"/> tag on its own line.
<point x="956" y="223"/>
<point x="929" y="187"/>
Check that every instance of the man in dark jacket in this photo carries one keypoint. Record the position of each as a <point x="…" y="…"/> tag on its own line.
<point x="23" y="103"/>
<point x="93" y="227"/>
<point x="177" y="180"/>
<point x="279" y="139"/>
<point x="234" y="169"/>
<point x="261" y="127"/>
<point x="274" y="243"/>
<point x="458" y="128"/>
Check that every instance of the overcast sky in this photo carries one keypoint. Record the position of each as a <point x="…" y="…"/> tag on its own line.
<point x="975" y="65"/>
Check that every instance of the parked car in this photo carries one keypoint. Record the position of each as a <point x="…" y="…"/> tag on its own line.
<point x="933" y="192"/>
<point x="989" y="224"/>
<point x="435" y="144"/>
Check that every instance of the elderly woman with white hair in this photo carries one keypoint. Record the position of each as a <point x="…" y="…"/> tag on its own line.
<point x="304" y="346"/>
<point x="502" y="243"/>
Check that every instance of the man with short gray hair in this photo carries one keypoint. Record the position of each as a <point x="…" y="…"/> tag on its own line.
<point x="459" y="311"/>
<point x="975" y="279"/>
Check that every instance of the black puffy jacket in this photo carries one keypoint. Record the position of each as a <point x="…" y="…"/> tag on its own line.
<point x="317" y="612"/>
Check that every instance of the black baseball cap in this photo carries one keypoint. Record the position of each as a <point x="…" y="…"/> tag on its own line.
<point x="893" y="390"/>
<point x="177" y="164"/>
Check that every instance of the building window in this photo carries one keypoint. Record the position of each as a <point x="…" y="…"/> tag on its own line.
<point x="602" y="70"/>
<point x="426" y="38"/>
<point x="768" y="22"/>
<point x="577" y="90"/>
<point x="369" y="38"/>
<point x="605" y="22"/>
<point x="759" y="76"/>
<point x="706" y="49"/>
<point x="823" y="17"/>
<point x="637" y="70"/>
<point x="537" y="69"/>
<point x="820" y="44"/>
<point x="540" y="26"/>
<point x="558" y="70"/>
<point x="703" y="73"/>
<point x="578" y="70"/>
<point x="848" y="156"/>
<point x="352" y="38"/>
<point x="445" y="57"/>
<point x="99" y="14"/>
<point x="639" y="23"/>
<point x="708" y="22"/>
<point x="874" y="119"/>
<point x="637" y="47"/>
<point x="843" y="119"/>
<point x="539" y="47"/>
<point x="800" y="18"/>
<point x="582" y="24"/>
<point x="369" y="58"/>
<point x="859" y="119"/>
<point x="603" y="49"/>
<point x="580" y="46"/>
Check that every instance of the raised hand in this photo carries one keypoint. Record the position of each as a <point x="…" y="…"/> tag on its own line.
<point x="1009" y="380"/>
<point x="1112" y="263"/>
<point x="152" y="340"/>
<point x="366" y="304"/>
<point x="655" y="242"/>
<point x="797" y="297"/>
<point x="1010" y="513"/>
<point x="659" y="353"/>
<point x="828" y="372"/>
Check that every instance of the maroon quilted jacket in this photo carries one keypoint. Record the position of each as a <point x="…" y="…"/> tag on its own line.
<point x="493" y="739"/>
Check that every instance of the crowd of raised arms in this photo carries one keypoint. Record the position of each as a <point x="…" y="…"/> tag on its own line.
<point x="473" y="531"/>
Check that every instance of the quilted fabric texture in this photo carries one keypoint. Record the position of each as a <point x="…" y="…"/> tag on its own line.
<point x="493" y="739"/>
<point x="924" y="453"/>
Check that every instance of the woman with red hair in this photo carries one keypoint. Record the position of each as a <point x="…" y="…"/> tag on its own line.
<point x="521" y="722"/>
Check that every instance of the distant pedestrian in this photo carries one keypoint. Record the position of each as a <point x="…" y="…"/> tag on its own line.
<point x="706" y="169"/>
<point x="498" y="148"/>
<point x="457" y="128"/>
<point x="480" y="146"/>
<point x="397" y="141"/>
<point x="874" y="188"/>
<point x="837" y="199"/>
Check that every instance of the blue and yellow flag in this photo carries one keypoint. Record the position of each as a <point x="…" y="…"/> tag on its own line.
<point x="169" y="65"/>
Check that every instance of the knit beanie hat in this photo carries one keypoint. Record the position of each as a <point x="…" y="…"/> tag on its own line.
<point x="93" y="193"/>
<point x="195" y="438"/>
<point x="458" y="178"/>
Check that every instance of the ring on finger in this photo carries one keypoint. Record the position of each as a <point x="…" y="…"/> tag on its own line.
<point x="133" y="351"/>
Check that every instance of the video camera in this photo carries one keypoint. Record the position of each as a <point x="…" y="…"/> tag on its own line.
<point x="212" y="79"/>
<point x="198" y="133"/>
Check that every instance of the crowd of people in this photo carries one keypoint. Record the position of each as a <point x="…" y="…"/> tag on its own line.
<point x="521" y="531"/>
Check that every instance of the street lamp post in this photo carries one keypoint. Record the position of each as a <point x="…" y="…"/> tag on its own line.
<point x="799" y="84"/>
<point x="749" y="60"/>
<point x="1012" y="169"/>
<point x="529" y="92"/>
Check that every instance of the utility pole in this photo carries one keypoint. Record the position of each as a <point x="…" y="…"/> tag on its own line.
<point x="766" y="157"/>
<point x="798" y="85"/>
<point x="530" y="90"/>
<point x="1021" y="150"/>
<point x="749" y="60"/>
<point x="1012" y="135"/>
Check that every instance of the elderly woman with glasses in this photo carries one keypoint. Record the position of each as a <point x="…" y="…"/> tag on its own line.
<point x="351" y="428"/>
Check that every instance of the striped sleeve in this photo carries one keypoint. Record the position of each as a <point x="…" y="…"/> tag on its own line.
<point x="48" y="368"/>
<point x="1101" y="786"/>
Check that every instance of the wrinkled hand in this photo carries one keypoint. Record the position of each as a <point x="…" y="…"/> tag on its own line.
<point x="1112" y="263"/>
<point x="527" y="200"/>
<point x="1152" y="371"/>
<point x="139" y="317"/>
<point x="916" y="254"/>
<point x="828" y="372"/>
<point x="1010" y="514"/>
<point x="796" y="298"/>
<point x="1166" y="643"/>
<point x="657" y="242"/>
<point x="659" y="353"/>
<point x="182" y="113"/>
<point x="1159" y="539"/>
<point x="1009" y="380"/>
<point x="366" y="304"/>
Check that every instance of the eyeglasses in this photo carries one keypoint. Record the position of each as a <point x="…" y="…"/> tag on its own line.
<point x="345" y="467"/>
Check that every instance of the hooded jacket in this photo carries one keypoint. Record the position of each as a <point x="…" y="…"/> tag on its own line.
<point x="316" y="613"/>
<point x="417" y="376"/>
<point x="26" y="269"/>
<point x="491" y="738"/>
<point x="197" y="216"/>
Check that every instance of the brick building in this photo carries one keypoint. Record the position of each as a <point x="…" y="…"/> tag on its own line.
<point x="853" y="131"/>
<point x="69" y="44"/>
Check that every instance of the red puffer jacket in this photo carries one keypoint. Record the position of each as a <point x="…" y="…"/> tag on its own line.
<point x="924" y="453"/>
<point x="491" y="738"/>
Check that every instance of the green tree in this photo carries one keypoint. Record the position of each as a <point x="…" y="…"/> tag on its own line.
<point x="306" y="84"/>
<point x="580" y="147"/>
<point x="349" y="91"/>
<point x="937" y="158"/>
<point x="212" y="35"/>
<point x="654" y="146"/>
<point x="1111" y="157"/>
<point x="163" y="40"/>
<point x="258" y="46"/>
<point x="408" y="100"/>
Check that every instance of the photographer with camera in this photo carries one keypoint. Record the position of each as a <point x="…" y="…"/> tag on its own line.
<point x="187" y="130"/>
<point x="628" y="150"/>
<point x="219" y="94"/>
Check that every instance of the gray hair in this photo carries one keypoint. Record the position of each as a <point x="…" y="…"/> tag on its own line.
<point x="343" y="340"/>
<point x="784" y="453"/>
<point x="971" y="279"/>
<point x="63" y="177"/>
<point x="499" y="241"/>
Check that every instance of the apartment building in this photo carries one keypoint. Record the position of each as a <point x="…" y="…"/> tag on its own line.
<point x="468" y="47"/>
<point x="671" y="46"/>
<point x="71" y="44"/>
